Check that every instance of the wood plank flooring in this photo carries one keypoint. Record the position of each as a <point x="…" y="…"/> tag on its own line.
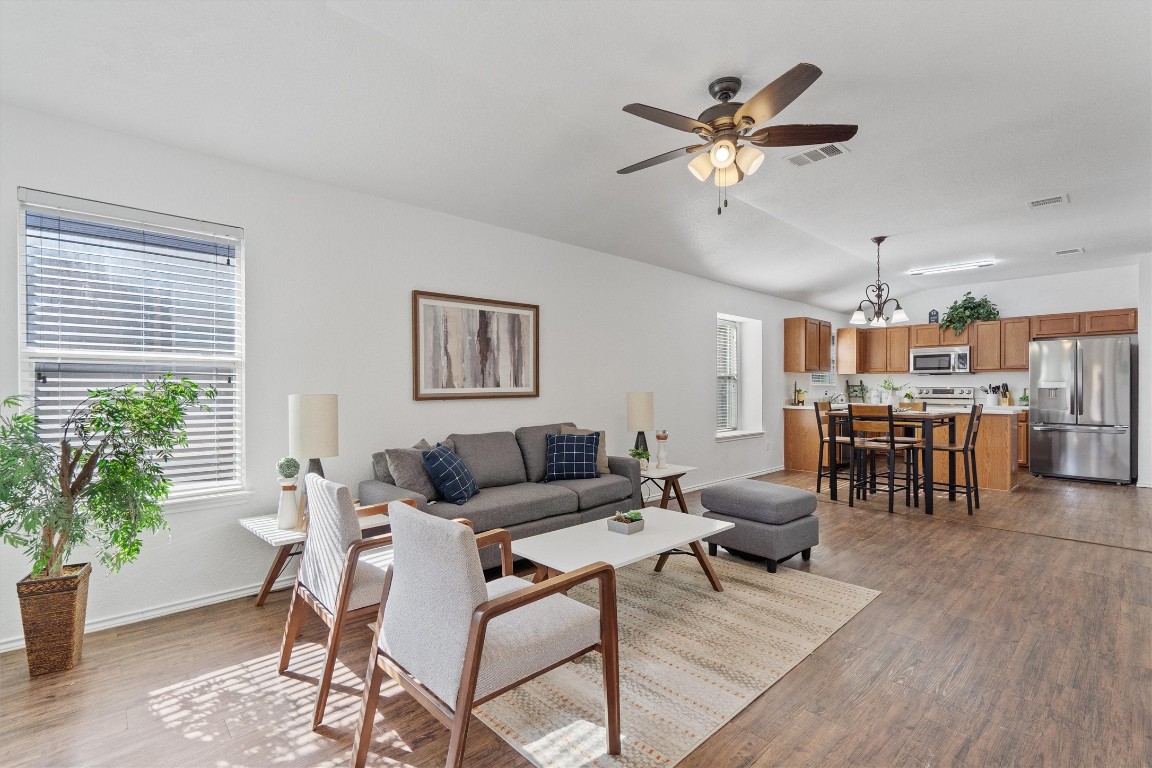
<point x="1020" y="636"/>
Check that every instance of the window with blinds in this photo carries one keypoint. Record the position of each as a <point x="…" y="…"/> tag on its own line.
<point x="114" y="295"/>
<point x="727" y="375"/>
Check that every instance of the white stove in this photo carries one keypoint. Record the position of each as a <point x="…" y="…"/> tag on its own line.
<point x="952" y="396"/>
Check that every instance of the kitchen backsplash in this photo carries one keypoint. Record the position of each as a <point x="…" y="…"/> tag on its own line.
<point x="1016" y="380"/>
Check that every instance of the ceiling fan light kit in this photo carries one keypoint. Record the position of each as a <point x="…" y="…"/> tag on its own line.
<point x="877" y="297"/>
<point x="729" y="146"/>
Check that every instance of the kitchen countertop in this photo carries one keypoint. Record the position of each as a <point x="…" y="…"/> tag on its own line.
<point x="988" y="409"/>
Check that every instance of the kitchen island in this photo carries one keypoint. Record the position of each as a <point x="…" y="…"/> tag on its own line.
<point x="997" y="446"/>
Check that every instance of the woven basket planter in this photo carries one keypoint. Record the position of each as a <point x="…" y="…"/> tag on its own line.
<point x="53" y="613"/>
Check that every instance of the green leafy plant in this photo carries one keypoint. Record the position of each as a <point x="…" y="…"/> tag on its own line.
<point x="631" y="516"/>
<point x="909" y="396"/>
<point x="891" y="385"/>
<point x="1023" y="399"/>
<point x="968" y="310"/>
<point x="857" y="391"/>
<point x="102" y="482"/>
<point x="639" y="453"/>
<point x="287" y="467"/>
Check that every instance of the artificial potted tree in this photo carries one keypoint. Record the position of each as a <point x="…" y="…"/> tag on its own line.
<point x="101" y="483"/>
<point x="968" y="309"/>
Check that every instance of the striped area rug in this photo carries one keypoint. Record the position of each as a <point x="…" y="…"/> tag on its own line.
<point x="690" y="660"/>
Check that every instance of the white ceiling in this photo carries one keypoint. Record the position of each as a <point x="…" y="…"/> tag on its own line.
<point x="509" y="113"/>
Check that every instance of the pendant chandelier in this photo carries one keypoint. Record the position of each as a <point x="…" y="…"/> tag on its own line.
<point x="877" y="298"/>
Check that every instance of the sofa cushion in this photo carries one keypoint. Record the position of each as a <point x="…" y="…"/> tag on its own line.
<point x="380" y="463"/>
<point x="407" y="468"/>
<point x="493" y="457"/>
<point x="595" y="491"/>
<point x="601" y="452"/>
<point x="508" y="505"/>
<point x="533" y="443"/>
<point x="571" y="457"/>
<point x="450" y="475"/>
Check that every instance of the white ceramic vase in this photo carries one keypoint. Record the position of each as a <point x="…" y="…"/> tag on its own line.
<point x="287" y="514"/>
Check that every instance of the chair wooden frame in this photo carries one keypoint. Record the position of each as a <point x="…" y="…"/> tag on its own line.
<point x="829" y="440"/>
<point x="336" y="619"/>
<point x="878" y="419"/>
<point x="967" y="451"/>
<point x="456" y="719"/>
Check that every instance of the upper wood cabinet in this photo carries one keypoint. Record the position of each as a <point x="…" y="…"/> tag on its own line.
<point x="897" y="339"/>
<point x="985" y="335"/>
<point x="851" y="350"/>
<point x="1015" y="333"/>
<point x="807" y="345"/>
<point x="1050" y="326"/>
<point x="949" y="337"/>
<point x="925" y="335"/>
<point x="1109" y="321"/>
<point x="875" y="350"/>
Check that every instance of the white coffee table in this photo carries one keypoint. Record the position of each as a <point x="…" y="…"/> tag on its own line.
<point x="664" y="530"/>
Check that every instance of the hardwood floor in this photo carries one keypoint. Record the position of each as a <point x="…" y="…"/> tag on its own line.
<point x="1020" y="636"/>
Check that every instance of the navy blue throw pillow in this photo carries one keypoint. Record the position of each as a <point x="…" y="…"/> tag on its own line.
<point x="449" y="474"/>
<point x="572" y="457"/>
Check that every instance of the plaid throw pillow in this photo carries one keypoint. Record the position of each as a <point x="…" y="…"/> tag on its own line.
<point x="572" y="457"/>
<point x="450" y="475"/>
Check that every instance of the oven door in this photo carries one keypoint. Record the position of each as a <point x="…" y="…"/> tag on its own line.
<point x="932" y="362"/>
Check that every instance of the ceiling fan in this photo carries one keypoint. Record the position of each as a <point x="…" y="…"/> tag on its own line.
<point x="724" y="128"/>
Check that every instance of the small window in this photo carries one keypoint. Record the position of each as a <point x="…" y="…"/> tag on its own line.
<point x="727" y="375"/>
<point x="113" y="295"/>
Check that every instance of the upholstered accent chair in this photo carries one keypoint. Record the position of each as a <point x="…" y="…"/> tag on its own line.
<point x="341" y="576"/>
<point x="454" y="642"/>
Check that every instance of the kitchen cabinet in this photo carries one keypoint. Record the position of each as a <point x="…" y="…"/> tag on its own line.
<point x="949" y="337"/>
<point x="1108" y="321"/>
<point x="1015" y="333"/>
<point x="985" y="336"/>
<point x="807" y="345"/>
<point x="997" y="446"/>
<point x="875" y="350"/>
<point x="897" y="342"/>
<point x="1055" y="326"/>
<point x="851" y="350"/>
<point x="1021" y="440"/>
<point x="925" y="335"/>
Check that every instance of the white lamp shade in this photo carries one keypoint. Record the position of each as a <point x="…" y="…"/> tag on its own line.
<point x="749" y="159"/>
<point x="313" y="426"/>
<point x="641" y="417"/>
<point x="899" y="316"/>
<point x="858" y="318"/>
<point x="723" y="153"/>
<point x="701" y="166"/>
<point x="878" y="322"/>
<point x="726" y="177"/>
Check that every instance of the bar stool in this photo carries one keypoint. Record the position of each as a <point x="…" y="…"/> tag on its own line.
<point x="831" y="441"/>
<point x="872" y="430"/>
<point x="967" y="450"/>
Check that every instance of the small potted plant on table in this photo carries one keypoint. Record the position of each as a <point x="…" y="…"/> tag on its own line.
<point x="102" y="482"/>
<point x="642" y="455"/>
<point x="627" y="522"/>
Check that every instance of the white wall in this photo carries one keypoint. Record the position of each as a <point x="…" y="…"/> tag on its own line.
<point x="329" y="280"/>
<point x="1144" y="459"/>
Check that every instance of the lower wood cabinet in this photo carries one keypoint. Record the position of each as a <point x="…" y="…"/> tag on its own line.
<point x="1021" y="439"/>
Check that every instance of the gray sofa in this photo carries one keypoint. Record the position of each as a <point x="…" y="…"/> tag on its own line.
<point x="509" y="467"/>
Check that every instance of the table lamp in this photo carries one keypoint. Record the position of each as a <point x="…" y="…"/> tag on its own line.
<point x="313" y="429"/>
<point x="640" y="416"/>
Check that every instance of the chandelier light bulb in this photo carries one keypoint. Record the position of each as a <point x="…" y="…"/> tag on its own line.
<point x="858" y="318"/>
<point x="899" y="316"/>
<point x="878" y="322"/>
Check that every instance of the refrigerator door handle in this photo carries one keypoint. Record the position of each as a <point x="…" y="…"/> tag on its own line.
<point x="1118" y="429"/>
<point x="1078" y="407"/>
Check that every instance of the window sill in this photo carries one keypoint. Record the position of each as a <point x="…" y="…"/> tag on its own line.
<point x="724" y="437"/>
<point x="207" y="501"/>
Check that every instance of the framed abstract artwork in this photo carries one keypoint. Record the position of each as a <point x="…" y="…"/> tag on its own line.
<point x="464" y="347"/>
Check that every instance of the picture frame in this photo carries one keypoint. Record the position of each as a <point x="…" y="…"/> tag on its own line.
<point x="465" y="347"/>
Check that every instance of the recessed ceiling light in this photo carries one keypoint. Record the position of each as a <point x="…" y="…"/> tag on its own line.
<point x="951" y="267"/>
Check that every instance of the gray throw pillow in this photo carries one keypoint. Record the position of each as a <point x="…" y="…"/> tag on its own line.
<point x="493" y="458"/>
<point x="601" y="452"/>
<point x="407" y="468"/>
<point x="380" y="463"/>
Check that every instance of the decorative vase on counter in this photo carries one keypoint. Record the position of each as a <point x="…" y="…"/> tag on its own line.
<point x="894" y="398"/>
<point x="661" y="449"/>
<point x="288" y="513"/>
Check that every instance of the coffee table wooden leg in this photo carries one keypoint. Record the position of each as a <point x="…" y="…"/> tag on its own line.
<point x="679" y="494"/>
<point x="660" y="562"/>
<point x="702" y="557"/>
<point x="274" y="572"/>
<point x="540" y="575"/>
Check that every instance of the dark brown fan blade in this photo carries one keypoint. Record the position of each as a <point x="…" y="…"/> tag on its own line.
<point x="682" y="152"/>
<point x="778" y="94"/>
<point x="670" y="119"/>
<point x="800" y="135"/>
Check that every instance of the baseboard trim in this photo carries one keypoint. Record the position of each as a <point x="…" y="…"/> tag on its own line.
<point x="251" y="590"/>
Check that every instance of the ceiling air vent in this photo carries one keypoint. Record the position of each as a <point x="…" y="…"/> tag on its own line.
<point x="810" y="156"/>
<point x="1069" y="251"/>
<point x="1046" y="202"/>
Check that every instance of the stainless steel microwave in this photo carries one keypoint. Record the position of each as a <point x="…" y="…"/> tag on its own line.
<point x="938" y="360"/>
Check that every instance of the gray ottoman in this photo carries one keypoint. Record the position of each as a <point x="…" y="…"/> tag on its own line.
<point x="772" y="521"/>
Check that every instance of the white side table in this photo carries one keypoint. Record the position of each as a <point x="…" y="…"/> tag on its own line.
<point x="667" y="480"/>
<point x="291" y="543"/>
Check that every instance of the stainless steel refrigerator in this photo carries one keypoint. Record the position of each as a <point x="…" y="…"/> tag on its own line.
<point x="1082" y="418"/>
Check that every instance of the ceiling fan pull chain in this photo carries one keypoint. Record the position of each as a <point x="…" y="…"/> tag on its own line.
<point x="718" y="211"/>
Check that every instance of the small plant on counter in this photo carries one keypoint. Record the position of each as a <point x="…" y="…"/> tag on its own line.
<point x="968" y="310"/>
<point x="631" y="516"/>
<point x="1023" y="399"/>
<point x="909" y="396"/>
<point x="639" y="453"/>
<point x="892" y="386"/>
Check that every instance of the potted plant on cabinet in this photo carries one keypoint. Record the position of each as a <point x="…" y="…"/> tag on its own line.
<point x="968" y="310"/>
<point x="101" y="483"/>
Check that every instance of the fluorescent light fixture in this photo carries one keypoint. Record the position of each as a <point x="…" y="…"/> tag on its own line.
<point x="951" y="267"/>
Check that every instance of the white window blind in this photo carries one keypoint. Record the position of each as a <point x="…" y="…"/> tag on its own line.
<point x="115" y="295"/>
<point x="727" y="374"/>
